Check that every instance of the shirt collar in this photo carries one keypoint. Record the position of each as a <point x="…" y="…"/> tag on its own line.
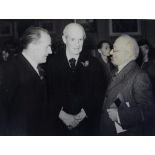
<point x="122" y="66"/>
<point x="70" y="57"/>
<point x="31" y="61"/>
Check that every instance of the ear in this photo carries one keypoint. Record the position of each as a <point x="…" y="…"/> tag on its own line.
<point x="64" y="39"/>
<point x="99" y="51"/>
<point x="31" y="46"/>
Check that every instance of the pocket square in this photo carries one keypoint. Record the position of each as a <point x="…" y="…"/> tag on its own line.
<point x="128" y="104"/>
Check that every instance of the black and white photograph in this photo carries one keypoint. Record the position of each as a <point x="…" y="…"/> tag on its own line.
<point x="77" y="77"/>
<point x="58" y="79"/>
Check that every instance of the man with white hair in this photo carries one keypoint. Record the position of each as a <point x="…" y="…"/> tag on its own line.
<point x="128" y="105"/>
<point x="75" y="85"/>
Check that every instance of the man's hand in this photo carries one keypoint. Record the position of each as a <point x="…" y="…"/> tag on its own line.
<point x="81" y="115"/>
<point x="113" y="113"/>
<point x="68" y="120"/>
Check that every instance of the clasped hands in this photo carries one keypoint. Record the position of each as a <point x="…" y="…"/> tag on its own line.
<point x="72" y="121"/>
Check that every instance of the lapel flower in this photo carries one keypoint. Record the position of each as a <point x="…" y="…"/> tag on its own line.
<point x="85" y="64"/>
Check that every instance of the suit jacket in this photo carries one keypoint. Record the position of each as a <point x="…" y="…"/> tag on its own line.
<point x="23" y="95"/>
<point x="132" y="86"/>
<point x="75" y="90"/>
<point x="149" y="68"/>
<point x="107" y="68"/>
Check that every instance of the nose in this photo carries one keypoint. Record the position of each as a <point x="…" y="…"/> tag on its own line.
<point x="77" y="43"/>
<point x="49" y="50"/>
<point x="111" y="52"/>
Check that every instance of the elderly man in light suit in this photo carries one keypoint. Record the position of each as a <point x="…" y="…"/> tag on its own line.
<point x="128" y="105"/>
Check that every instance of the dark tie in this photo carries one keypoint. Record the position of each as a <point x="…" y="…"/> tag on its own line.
<point x="72" y="63"/>
<point x="41" y="72"/>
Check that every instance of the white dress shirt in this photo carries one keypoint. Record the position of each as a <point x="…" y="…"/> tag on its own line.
<point x="32" y="62"/>
<point x="122" y="66"/>
<point x="70" y="57"/>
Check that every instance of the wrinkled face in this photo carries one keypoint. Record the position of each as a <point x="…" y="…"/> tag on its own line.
<point x="42" y="48"/>
<point x="144" y="49"/>
<point x="74" y="40"/>
<point x="119" y="52"/>
<point x="105" y="49"/>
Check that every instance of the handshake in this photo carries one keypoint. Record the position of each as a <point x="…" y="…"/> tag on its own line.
<point x="72" y="121"/>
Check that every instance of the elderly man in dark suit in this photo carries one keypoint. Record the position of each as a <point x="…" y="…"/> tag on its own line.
<point x="128" y="107"/>
<point x="75" y="84"/>
<point x="23" y="89"/>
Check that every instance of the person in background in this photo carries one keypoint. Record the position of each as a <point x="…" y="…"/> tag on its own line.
<point x="129" y="103"/>
<point x="104" y="49"/>
<point x="5" y="55"/>
<point x="147" y="55"/>
<point x="75" y="86"/>
<point x="23" y="89"/>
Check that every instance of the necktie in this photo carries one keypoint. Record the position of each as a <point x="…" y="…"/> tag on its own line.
<point x="72" y="63"/>
<point x="41" y="72"/>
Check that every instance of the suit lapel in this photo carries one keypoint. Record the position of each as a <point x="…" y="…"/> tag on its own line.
<point x="82" y="60"/>
<point x="123" y="73"/>
<point x="64" y="64"/>
<point x="28" y="66"/>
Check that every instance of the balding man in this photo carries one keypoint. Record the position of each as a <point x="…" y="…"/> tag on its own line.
<point x="23" y="89"/>
<point x="128" y="105"/>
<point x="75" y="83"/>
